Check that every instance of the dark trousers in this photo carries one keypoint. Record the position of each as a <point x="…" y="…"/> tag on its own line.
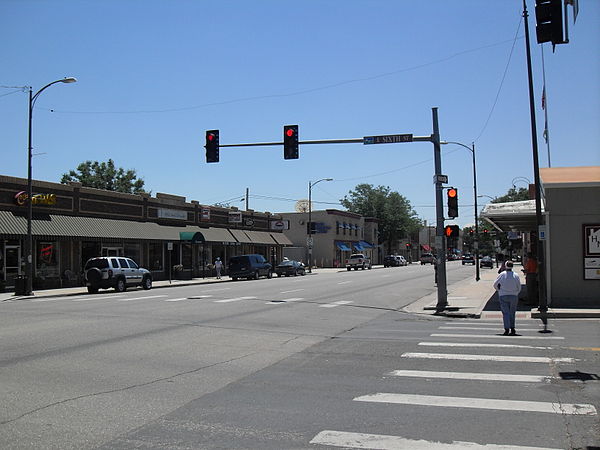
<point x="532" y="288"/>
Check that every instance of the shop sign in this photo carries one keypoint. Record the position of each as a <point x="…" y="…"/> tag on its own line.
<point x="249" y="222"/>
<point x="205" y="214"/>
<point x="280" y="225"/>
<point x="591" y="249"/>
<point x="164" y="213"/>
<point x="235" y="217"/>
<point x="36" y="199"/>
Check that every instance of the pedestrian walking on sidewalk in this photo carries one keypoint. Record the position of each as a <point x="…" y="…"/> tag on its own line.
<point x="508" y="285"/>
<point x="218" y="267"/>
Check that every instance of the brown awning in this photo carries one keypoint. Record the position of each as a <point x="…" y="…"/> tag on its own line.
<point x="281" y="239"/>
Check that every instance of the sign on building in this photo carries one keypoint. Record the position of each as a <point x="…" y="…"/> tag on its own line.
<point x="591" y="252"/>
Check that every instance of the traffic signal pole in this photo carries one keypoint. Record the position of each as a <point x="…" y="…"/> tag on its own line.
<point x="442" y="293"/>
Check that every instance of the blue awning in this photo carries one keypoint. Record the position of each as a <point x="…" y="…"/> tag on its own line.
<point x="357" y="246"/>
<point x="365" y="244"/>
<point x="342" y="246"/>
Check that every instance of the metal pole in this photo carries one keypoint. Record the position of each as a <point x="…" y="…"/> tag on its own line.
<point x="308" y="241"/>
<point x="442" y="297"/>
<point x="29" y="240"/>
<point x="476" y="243"/>
<point x="543" y="305"/>
<point x="247" y="201"/>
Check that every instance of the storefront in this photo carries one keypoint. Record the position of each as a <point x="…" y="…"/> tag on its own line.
<point x="167" y="235"/>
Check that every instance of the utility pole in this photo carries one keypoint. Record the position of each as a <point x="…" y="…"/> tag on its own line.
<point x="442" y="294"/>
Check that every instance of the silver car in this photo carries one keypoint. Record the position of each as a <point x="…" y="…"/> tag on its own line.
<point x="115" y="272"/>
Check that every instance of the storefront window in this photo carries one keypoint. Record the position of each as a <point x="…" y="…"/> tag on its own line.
<point x="133" y="251"/>
<point x="47" y="259"/>
<point x="186" y="255"/>
<point x="155" y="256"/>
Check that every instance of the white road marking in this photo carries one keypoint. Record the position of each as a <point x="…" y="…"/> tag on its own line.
<point x="482" y="328"/>
<point x="141" y="298"/>
<point x="236" y="299"/>
<point x="456" y="298"/>
<point x="196" y="297"/>
<point x="480" y="403"/>
<point x="470" y="376"/>
<point x="532" y="359"/>
<point x="334" y="304"/>
<point x="99" y="297"/>
<point x="293" y="290"/>
<point x="386" y="442"/>
<point x="176" y="299"/>
<point x="344" y="282"/>
<point x="477" y="344"/>
<point x="284" y="300"/>
<point x="217" y="290"/>
<point x="499" y="336"/>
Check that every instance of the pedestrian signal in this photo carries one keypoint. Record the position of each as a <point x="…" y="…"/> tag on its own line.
<point x="451" y="231"/>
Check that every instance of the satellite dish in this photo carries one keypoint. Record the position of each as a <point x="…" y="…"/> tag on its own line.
<point x="302" y="206"/>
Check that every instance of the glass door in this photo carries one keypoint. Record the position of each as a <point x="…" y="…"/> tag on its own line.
<point x="12" y="257"/>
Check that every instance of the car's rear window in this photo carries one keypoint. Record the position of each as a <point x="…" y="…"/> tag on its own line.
<point x="98" y="263"/>
<point x="239" y="260"/>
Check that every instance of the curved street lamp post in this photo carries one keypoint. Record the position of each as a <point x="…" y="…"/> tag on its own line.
<point x="309" y="241"/>
<point x="29" y="243"/>
<point x="476" y="243"/>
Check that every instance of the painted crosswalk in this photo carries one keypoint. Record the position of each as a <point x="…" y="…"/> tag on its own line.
<point x="234" y="299"/>
<point x="485" y="351"/>
<point x="336" y="304"/>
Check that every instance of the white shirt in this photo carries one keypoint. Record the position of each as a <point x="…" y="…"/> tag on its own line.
<point x="508" y="283"/>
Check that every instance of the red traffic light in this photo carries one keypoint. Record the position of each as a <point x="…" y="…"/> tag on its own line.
<point x="452" y="193"/>
<point x="289" y="132"/>
<point x="210" y="137"/>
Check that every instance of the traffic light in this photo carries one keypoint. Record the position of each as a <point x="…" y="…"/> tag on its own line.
<point x="408" y="245"/>
<point x="451" y="230"/>
<point x="290" y="141"/>
<point x="452" y="203"/>
<point x="212" y="146"/>
<point x="549" y="21"/>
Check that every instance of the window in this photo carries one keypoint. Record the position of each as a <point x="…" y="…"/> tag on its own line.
<point x="155" y="256"/>
<point x="337" y="227"/>
<point x="132" y="251"/>
<point x="47" y="260"/>
<point x="115" y="263"/>
<point x="123" y="263"/>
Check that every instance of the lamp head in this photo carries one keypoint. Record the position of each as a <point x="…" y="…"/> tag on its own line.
<point x="69" y="80"/>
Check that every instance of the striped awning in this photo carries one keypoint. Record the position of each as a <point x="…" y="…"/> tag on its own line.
<point x="281" y="239"/>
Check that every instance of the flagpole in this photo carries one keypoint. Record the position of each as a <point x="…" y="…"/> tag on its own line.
<point x="545" y="107"/>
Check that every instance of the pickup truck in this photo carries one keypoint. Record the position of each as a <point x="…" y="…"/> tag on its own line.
<point x="358" y="260"/>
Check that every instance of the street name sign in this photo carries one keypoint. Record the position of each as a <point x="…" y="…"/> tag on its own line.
<point x="387" y="139"/>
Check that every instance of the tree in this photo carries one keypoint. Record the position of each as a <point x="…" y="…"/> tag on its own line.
<point x="397" y="219"/>
<point x="105" y="176"/>
<point x="513" y="196"/>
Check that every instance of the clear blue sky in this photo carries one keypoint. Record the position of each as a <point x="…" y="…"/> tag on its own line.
<point x="154" y="75"/>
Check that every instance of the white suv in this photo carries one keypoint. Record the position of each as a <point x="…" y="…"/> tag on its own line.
<point x="115" y="272"/>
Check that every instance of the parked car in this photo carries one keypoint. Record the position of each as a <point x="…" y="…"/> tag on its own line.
<point x="358" y="260"/>
<point x="250" y="267"/>
<point x="486" y="261"/>
<point x="115" y="272"/>
<point x="391" y="261"/>
<point x="402" y="260"/>
<point x="468" y="259"/>
<point x="289" y="268"/>
<point x="427" y="258"/>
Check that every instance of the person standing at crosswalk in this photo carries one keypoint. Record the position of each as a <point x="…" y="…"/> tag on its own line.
<point x="508" y="285"/>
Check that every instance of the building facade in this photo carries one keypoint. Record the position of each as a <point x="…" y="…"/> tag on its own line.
<point x="335" y="236"/>
<point x="165" y="234"/>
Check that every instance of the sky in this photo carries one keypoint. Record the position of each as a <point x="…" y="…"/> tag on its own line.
<point x="154" y="75"/>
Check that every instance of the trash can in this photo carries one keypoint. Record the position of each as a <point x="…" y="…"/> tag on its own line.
<point x="20" y="285"/>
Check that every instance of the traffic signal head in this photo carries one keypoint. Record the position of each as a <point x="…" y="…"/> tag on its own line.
<point x="452" y="196"/>
<point x="212" y="146"/>
<point x="549" y="21"/>
<point x="290" y="141"/>
<point x="452" y="231"/>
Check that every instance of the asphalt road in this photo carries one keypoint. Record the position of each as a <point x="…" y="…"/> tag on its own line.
<point x="299" y="362"/>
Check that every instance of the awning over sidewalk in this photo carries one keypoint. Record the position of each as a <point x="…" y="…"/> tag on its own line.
<point x="281" y="239"/>
<point x="260" y="237"/>
<point x="365" y="244"/>
<point x="512" y="216"/>
<point x="241" y="236"/>
<point x="343" y="247"/>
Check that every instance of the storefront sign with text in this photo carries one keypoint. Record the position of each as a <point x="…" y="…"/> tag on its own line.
<point x="36" y="199"/>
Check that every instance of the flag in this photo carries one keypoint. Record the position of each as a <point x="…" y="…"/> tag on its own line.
<point x="544" y="97"/>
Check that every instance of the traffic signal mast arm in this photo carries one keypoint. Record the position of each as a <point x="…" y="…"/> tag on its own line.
<point x="320" y="141"/>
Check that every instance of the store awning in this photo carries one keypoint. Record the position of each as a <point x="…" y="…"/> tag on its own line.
<point x="426" y="247"/>
<point x="281" y="239"/>
<point x="512" y="216"/>
<point x="365" y="244"/>
<point x="241" y="236"/>
<point x="343" y="247"/>
<point x="191" y="236"/>
<point x="260" y="237"/>
<point x="357" y="246"/>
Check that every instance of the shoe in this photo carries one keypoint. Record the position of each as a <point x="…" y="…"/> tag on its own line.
<point x="505" y="332"/>
<point x="512" y="332"/>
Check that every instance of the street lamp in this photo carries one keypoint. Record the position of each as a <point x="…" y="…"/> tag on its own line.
<point x="309" y="242"/>
<point x="29" y="243"/>
<point x="476" y="243"/>
<point x="523" y="179"/>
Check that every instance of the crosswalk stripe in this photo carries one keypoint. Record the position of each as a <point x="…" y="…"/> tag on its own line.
<point x="293" y="290"/>
<point x="334" y="304"/>
<point x="140" y="298"/>
<point x="236" y="299"/>
<point x="480" y="403"/>
<point x="532" y="359"/>
<point x="284" y="300"/>
<point x="469" y="376"/>
<point x="481" y="328"/>
<point x="176" y="299"/>
<point x="387" y="442"/>
<point x="477" y="344"/>
<point x="344" y="282"/>
<point x="494" y="336"/>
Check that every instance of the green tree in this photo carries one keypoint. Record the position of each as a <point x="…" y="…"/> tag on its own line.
<point x="397" y="218"/>
<point x="513" y="195"/>
<point x="105" y="176"/>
